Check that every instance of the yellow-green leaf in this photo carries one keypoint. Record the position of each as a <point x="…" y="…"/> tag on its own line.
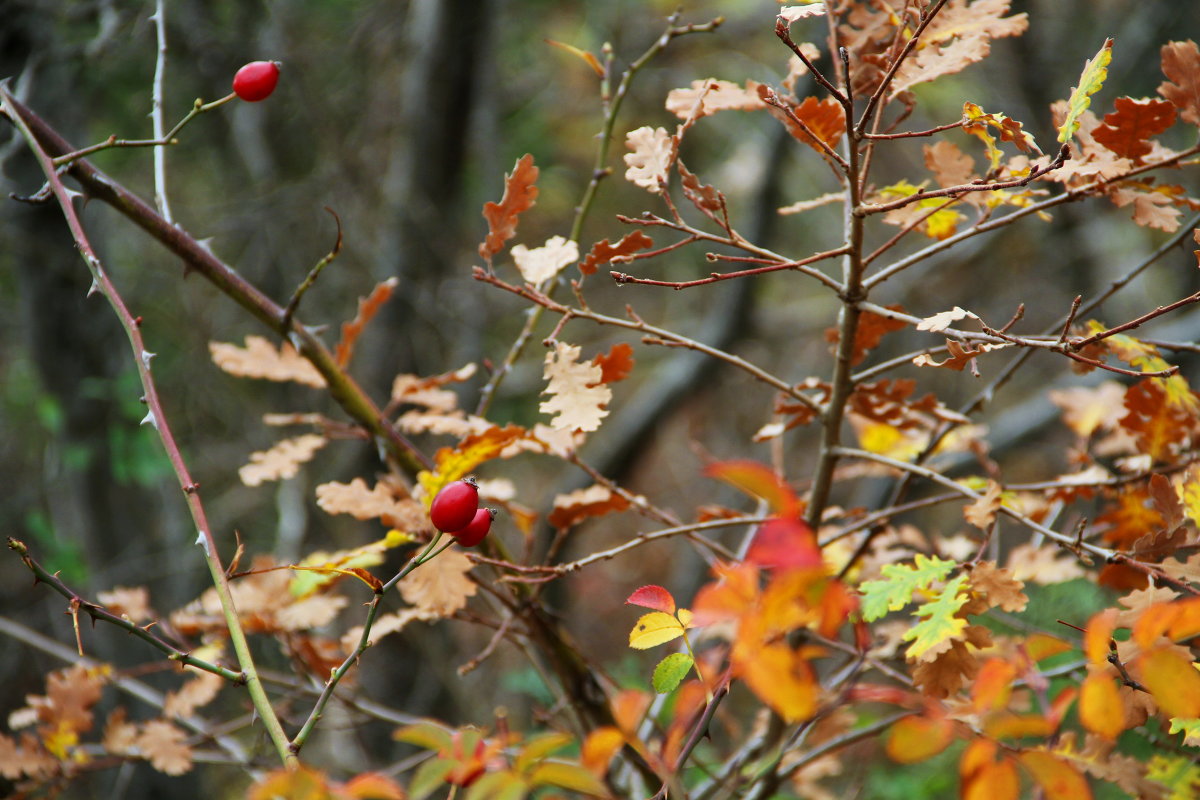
<point x="572" y="777"/>
<point x="539" y="747"/>
<point x="940" y="625"/>
<point x="653" y="629"/>
<point x="671" y="671"/>
<point x="1094" y="73"/>
<point x="899" y="583"/>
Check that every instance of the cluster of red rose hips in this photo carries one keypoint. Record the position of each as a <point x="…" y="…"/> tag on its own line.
<point x="456" y="511"/>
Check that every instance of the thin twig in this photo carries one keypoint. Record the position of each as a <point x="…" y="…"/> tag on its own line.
<point x="715" y="277"/>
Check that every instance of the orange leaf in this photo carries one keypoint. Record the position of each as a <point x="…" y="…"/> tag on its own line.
<point x="368" y="307"/>
<point x="759" y="480"/>
<point x="302" y="783"/>
<point x="454" y="463"/>
<point x="628" y="707"/>
<point x="780" y="677"/>
<point x="587" y="57"/>
<point x="914" y="739"/>
<point x="616" y="364"/>
<point x="732" y="595"/>
<point x="1172" y="680"/>
<point x="870" y="332"/>
<point x="1126" y="130"/>
<point x="1181" y="65"/>
<point x="825" y="118"/>
<point x="993" y="685"/>
<point x="604" y="253"/>
<point x="1100" y="708"/>
<point x="655" y="597"/>
<point x="599" y="748"/>
<point x="994" y="781"/>
<point x="520" y="194"/>
<point x="784" y="543"/>
<point x="1099" y="633"/>
<point x="1187" y="622"/>
<point x="1058" y="779"/>
<point x="371" y="786"/>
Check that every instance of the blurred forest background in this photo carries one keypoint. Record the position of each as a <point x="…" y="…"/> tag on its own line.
<point x="403" y="118"/>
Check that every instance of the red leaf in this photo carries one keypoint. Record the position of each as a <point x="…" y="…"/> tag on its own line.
<point x="520" y="194"/>
<point x="655" y="597"/>
<point x="616" y="364"/>
<point x="603" y="252"/>
<point x="784" y="543"/>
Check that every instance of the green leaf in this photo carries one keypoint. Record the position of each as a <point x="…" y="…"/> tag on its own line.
<point x="671" y="671"/>
<point x="654" y="629"/>
<point x="1178" y="774"/>
<point x="900" y="582"/>
<point x="503" y="785"/>
<point x="940" y="624"/>
<point x="1094" y="73"/>
<point x="572" y="777"/>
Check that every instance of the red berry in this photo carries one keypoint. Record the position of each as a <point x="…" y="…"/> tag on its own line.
<point x="477" y="530"/>
<point x="256" y="80"/>
<point x="454" y="507"/>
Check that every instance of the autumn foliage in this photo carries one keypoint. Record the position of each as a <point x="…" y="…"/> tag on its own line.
<point x="823" y="630"/>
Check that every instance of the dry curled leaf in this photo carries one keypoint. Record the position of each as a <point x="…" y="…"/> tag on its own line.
<point x="198" y="691"/>
<point x="282" y="461"/>
<point x="717" y="96"/>
<point x="368" y="307"/>
<point x="260" y="359"/>
<point x="648" y="164"/>
<point x="520" y="194"/>
<point x="982" y="513"/>
<point x="604" y="253"/>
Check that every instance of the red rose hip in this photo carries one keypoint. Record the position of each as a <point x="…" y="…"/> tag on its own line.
<point x="454" y="507"/>
<point x="256" y="80"/>
<point x="477" y="530"/>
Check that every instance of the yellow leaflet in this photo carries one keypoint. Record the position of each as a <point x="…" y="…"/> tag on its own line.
<point x="654" y="629"/>
<point x="1094" y="74"/>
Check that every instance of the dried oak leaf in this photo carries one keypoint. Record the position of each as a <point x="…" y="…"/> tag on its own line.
<point x="648" y="164"/>
<point x="542" y="263"/>
<point x="946" y="674"/>
<point x="132" y="603"/>
<point x="368" y="307"/>
<point x="713" y="95"/>
<point x="958" y="37"/>
<point x="27" y="758"/>
<point x="260" y="359"/>
<point x="1046" y="565"/>
<point x="604" y="253"/>
<point x="1181" y="65"/>
<point x="1152" y="207"/>
<point x="1086" y="410"/>
<point x="282" y="461"/>
<point x="440" y="587"/>
<point x="703" y="196"/>
<point x="197" y="692"/>
<point x="428" y="392"/>
<point x="356" y="499"/>
<point x="120" y="736"/>
<point x="520" y="195"/>
<point x="595" y="501"/>
<point x="825" y="119"/>
<point x="982" y="513"/>
<point x="165" y="747"/>
<point x="616" y="364"/>
<point x="1127" y="130"/>
<point x="387" y="624"/>
<point x="872" y="328"/>
<point x="999" y="586"/>
<point x="578" y="397"/>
